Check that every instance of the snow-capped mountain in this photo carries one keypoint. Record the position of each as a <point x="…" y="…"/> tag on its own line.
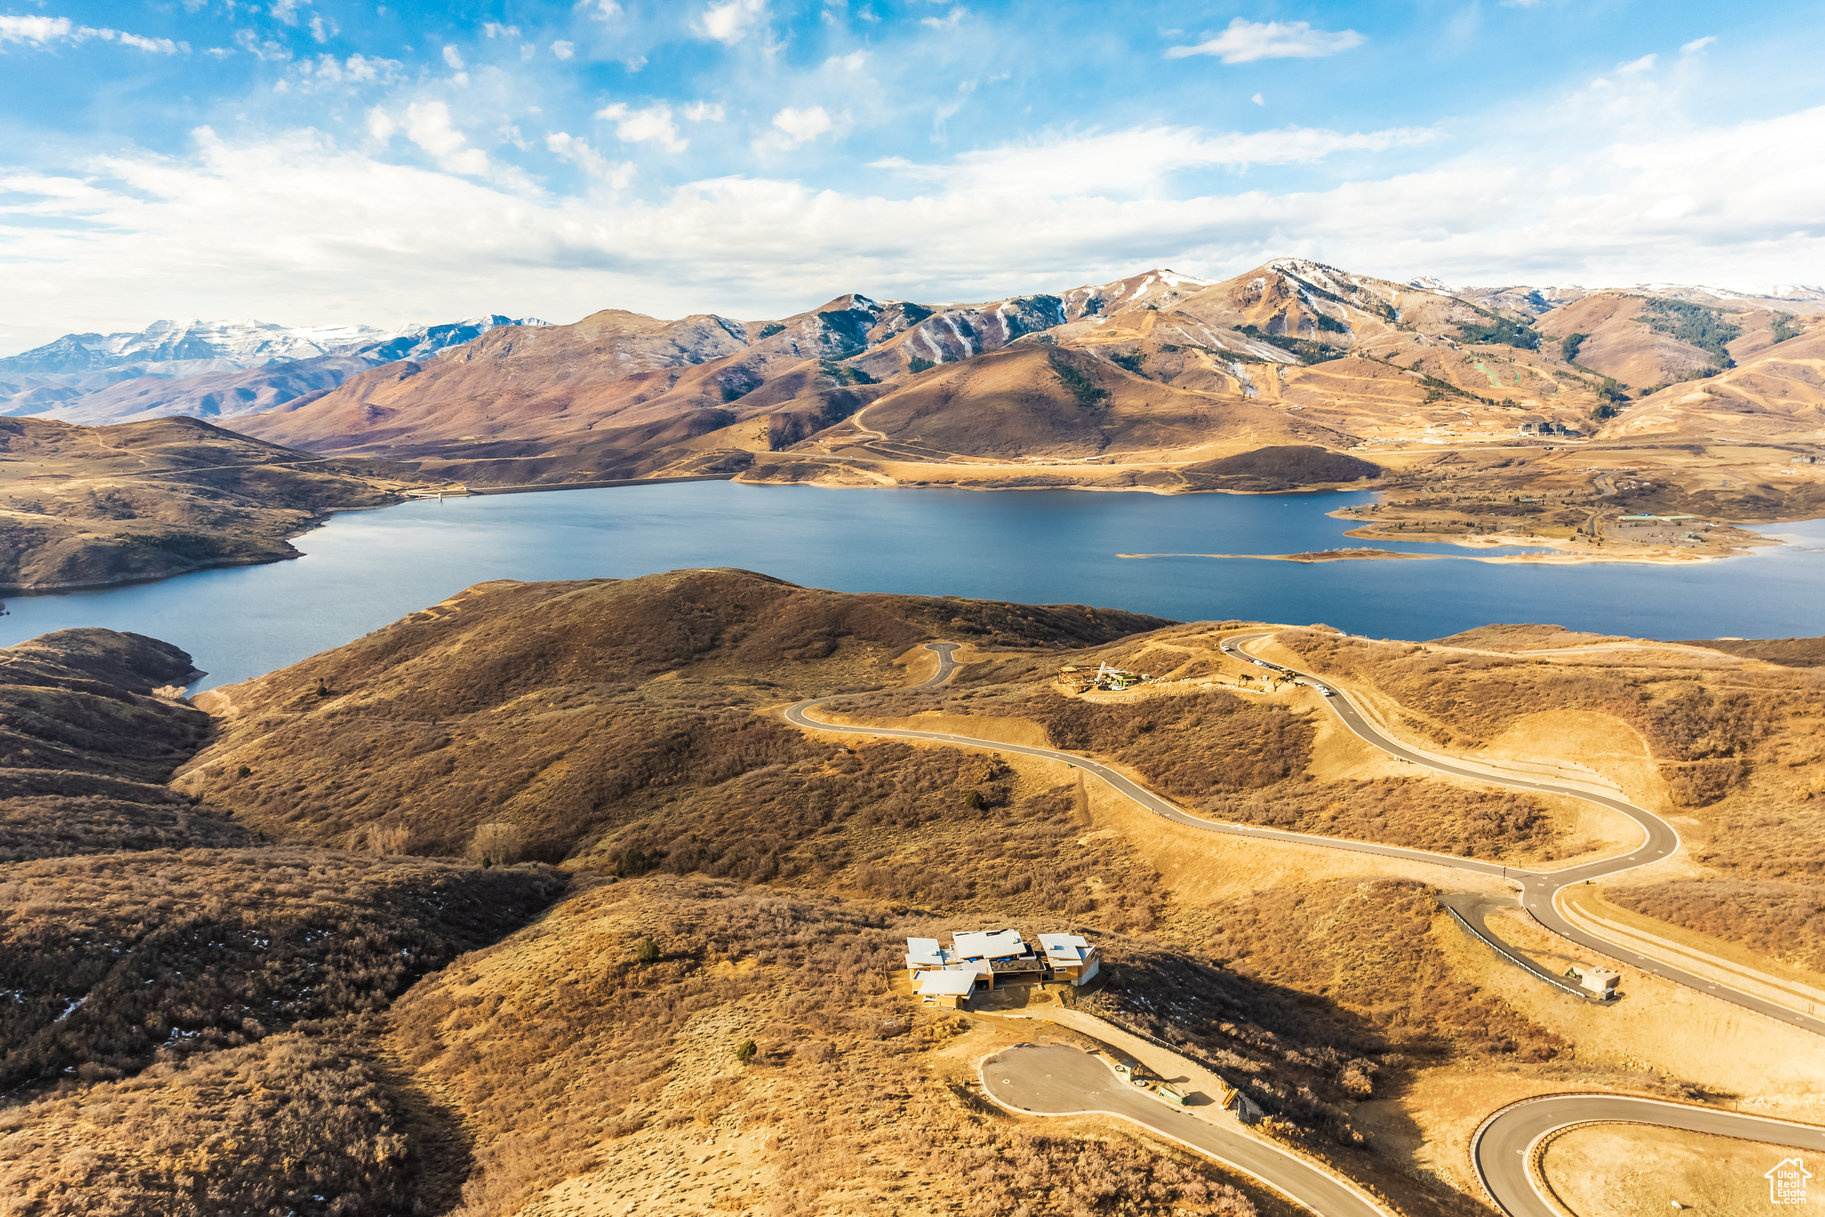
<point x="209" y="369"/>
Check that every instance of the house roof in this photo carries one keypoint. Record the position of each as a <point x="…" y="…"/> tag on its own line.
<point x="946" y="984"/>
<point x="988" y="944"/>
<point x="1064" y="948"/>
<point x="925" y="953"/>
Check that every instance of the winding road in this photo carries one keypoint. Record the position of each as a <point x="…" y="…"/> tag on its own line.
<point x="1538" y="889"/>
<point x="1058" y="1080"/>
<point x="1046" y="1080"/>
<point x="1504" y="1146"/>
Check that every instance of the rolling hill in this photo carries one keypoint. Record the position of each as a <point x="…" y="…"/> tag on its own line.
<point x="90" y="506"/>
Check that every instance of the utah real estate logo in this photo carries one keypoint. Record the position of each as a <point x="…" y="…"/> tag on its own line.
<point x="1787" y="1182"/>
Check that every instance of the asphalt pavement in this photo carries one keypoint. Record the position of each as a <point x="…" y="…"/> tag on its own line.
<point x="1057" y="1080"/>
<point x="1505" y="1143"/>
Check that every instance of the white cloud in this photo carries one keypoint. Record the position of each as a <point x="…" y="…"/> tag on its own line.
<point x="1258" y="100"/>
<point x="453" y="57"/>
<point x="704" y="112"/>
<point x="949" y="21"/>
<point x="1613" y="188"/>
<point x="494" y="29"/>
<point x="428" y="124"/>
<point x="730" y="20"/>
<point x="1645" y="63"/>
<point x="562" y="49"/>
<point x="322" y="28"/>
<point x="650" y="125"/>
<point x="381" y="125"/>
<point x="1246" y="41"/>
<point x="328" y="72"/>
<point x="578" y="152"/>
<point x="794" y="126"/>
<point x="43" y="32"/>
<point x="1697" y="45"/>
<point x="602" y="10"/>
<point x="1141" y="161"/>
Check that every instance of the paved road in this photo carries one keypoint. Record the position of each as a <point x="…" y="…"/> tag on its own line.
<point x="1659" y="839"/>
<point x="1539" y="888"/>
<point x="1504" y="1144"/>
<point x="1056" y="1080"/>
<point x="1042" y="1080"/>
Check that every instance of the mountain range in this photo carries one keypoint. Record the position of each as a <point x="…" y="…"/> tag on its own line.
<point x="207" y="369"/>
<point x="1140" y="381"/>
<point x="1154" y="368"/>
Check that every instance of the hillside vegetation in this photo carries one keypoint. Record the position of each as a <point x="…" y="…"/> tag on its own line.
<point x="187" y="1010"/>
<point x="88" y="506"/>
<point x="531" y="904"/>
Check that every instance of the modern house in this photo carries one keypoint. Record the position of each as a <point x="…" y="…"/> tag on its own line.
<point x="982" y="959"/>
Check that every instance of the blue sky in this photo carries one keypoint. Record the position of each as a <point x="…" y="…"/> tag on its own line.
<point x="312" y="161"/>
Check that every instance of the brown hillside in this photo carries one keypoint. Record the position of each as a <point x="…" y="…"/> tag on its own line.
<point x="140" y="929"/>
<point x="1040" y="400"/>
<point x="1778" y="395"/>
<point x="565" y="709"/>
<point x="89" y="506"/>
<point x="1284" y="467"/>
<point x="1621" y="344"/>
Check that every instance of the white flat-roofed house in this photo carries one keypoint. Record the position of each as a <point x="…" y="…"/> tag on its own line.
<point x="924" y="954"/>
<point x="1069" y="957"/>
<point x="988" y="944"/>
<point x="946" y="987"/>
<point x="988" y="957"/>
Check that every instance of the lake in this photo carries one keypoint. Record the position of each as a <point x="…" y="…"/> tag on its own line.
<point x="365" y="569"/>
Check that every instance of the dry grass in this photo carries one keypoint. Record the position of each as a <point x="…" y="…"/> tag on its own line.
<point x="1785" y="921"/>
<point x="296" y="1124"/>
<point x="116" y="960"/>
<point x="1229" y="756"/>
<point x="560" y="707"/>
<point x="565" y="1055"/>
<point x="144" y="500"/>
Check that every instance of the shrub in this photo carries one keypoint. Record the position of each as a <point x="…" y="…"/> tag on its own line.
<point x="1087" y="392"/>
<point x="647" y="951"/>
<point x="744" y="1051"/>
<point x="497" y="841"/>
<point x="1502" y="330"/>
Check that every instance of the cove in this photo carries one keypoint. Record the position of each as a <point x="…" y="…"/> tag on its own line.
<point x="363" y="570"/>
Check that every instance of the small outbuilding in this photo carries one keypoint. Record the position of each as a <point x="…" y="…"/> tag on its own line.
<point x="1598" y="982"/>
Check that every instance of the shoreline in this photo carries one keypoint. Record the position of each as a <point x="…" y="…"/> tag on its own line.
<point x="1387" y="555"/>
<point x="1363" y="554"/>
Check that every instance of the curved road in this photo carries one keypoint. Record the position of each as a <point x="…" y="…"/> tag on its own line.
<point x="1045" y="1080"/>
<point x="1538" y="888"/>
<point x="1505" y="1144"/>
<point x="1057" y="1080"/>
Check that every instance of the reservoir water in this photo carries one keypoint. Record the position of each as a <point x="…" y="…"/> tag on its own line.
<point x="365" y="569"/>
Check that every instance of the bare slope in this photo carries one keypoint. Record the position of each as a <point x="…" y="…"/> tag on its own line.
<point x="85" y="506"/>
